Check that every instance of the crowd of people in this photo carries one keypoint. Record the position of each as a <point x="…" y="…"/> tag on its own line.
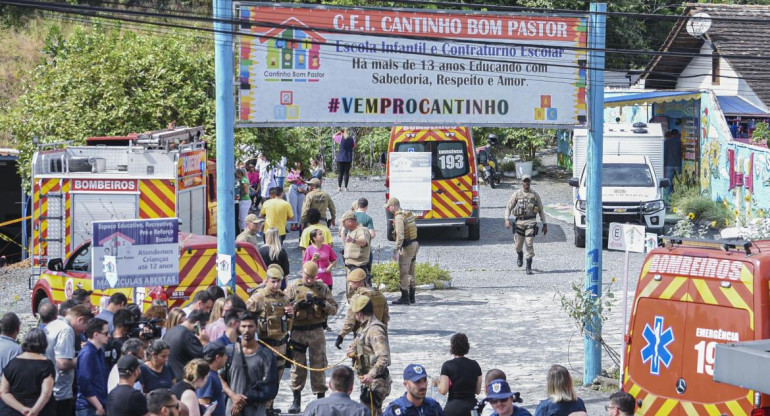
<point x="224" y="355"/>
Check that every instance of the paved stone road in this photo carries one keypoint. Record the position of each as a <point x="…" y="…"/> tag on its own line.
<point x="514" y="321"/>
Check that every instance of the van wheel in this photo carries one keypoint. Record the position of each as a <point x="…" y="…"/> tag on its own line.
<point x="474" y="231"/>
<point x="580" y="242"/>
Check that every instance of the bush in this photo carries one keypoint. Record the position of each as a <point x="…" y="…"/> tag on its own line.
<point x="507" y="165"/>
<point x="387" y="274"/>
<point x="701" y="208"/>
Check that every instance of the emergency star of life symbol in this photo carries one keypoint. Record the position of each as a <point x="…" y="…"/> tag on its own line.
<point x="656" y="349"/>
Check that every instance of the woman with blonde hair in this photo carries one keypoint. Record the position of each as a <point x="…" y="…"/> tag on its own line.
<point x="196" y="372"/>
<point x="562" y="398"/>
<point x="273" y="253"/>
<point x="175" y="317"/>
<point x="215" y="325"/>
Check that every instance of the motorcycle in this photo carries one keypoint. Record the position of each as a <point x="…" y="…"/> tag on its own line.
<point x="485" y="155"/>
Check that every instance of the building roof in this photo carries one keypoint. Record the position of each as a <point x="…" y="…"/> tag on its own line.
<point x="732" y="39"/>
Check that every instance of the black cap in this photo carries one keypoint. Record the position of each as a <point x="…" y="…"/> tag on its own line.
<point x="212" y="349"/>
<point x="127" y="364"/>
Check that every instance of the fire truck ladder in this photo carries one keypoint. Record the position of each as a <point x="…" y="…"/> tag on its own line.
<point x="53" y="219"/>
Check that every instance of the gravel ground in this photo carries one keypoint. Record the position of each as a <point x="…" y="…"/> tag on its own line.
<point x="514" y="321"/>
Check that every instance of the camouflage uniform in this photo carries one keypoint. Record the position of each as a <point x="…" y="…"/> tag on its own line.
<point x="355" y="255"/>
<point x="525" y="206"/>
<point x="380" y="309"/>
<point x="321" y="201"/>
<point x="248" y="237"/>
<point x="372" y="357"/>
<point x="274" y="324"/>
<point x="405" y="233"/>
<point x="307" y="334"/>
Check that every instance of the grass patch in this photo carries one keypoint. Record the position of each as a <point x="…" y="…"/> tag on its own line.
<point x="689" y="202"/>
<point x="427" y="273"/>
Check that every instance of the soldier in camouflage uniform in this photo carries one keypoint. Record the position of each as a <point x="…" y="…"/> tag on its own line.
<point x="320" y="200"/>
<point x="371" y="355"/>
<point x="523" y="208"/>
<point x="313" y="303"/>
<point x="357" y="287"/>
<point x="249" y="235"/>
<point x="275" y="312"/>
<point x="405" y="251"/>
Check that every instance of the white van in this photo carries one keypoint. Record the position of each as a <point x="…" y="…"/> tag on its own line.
<point x="631" y="193"/>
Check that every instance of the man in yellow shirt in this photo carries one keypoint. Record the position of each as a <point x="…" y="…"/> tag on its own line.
<point x="314" y="223"/>
<point x="277" y="212"/>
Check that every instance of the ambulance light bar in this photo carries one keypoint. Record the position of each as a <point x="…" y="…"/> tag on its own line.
<point x="726" y="245"/>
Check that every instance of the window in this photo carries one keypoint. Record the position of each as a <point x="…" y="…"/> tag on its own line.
<point x="626" y="175"/>
<point x="80" y="261"/>
<point x="715" y="72"/>
<point x="449" y="159"/>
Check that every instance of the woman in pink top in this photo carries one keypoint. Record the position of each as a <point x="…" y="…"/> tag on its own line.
<point x="323" y="255"/>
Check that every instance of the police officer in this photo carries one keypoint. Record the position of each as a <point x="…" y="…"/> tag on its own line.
<point x="414" y="402"/>
<point x="320" y="200"/>
<point x="274" y="312"/>
<point x="357" y="243"/>
<point x="313" y="303"/>
<point x="371" y="355"/>
<point x="357" y="287"/>
<point x="405" y="251"/>
<point x="524" y="206"/>
<point x="249" y="235"/>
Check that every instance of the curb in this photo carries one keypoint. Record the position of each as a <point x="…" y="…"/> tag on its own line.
<point x="429" y="286"/>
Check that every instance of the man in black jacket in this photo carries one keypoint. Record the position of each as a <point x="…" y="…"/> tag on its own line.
<point x="186" y="341"/>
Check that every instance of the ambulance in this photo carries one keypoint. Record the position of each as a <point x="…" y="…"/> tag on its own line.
<point x="158" y="174"/>
<point x="454" y="179"/>
<point x="693" y="295"/>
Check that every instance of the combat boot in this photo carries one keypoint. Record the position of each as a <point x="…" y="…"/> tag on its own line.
<point x="520" y="258"/>
<point x="411" y="295"/>
<point x="297" y="403"/>
<point x="404" y="300"/>
<point x="529" y="266"/>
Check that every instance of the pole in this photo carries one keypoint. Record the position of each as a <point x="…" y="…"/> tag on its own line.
<point x="625" y="319"/>
<point x="225" y="119"/>
<point x="593" y="279"/>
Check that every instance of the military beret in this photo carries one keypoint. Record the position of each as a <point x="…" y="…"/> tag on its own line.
<point x="356" y="275"/>
<point x="358" y="303"/>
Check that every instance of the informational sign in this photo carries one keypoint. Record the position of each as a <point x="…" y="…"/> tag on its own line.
<point x="105" y="185"/>
<point x="634" y="237"/>
<point x="192" y="168"/>
<point x="224" y="269"/>
<point x="135" y="253"/>
<point x="650" y="242"/>
<point x="319" y="65"/>
<point x="615" y="238"/>
<point x="410" y="180"/>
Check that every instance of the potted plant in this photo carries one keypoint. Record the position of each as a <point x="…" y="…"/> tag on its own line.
<point x="526" y="143"/>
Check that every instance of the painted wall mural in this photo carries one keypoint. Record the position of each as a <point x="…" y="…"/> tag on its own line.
<point x="735" y="173"/>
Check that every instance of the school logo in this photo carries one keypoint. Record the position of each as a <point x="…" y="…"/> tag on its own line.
<point x="658" y="340"/>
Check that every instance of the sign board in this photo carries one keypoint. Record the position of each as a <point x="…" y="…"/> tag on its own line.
<point x="634" y="237"/>
<point x="615" y="238"/>
<point x="624" y="237"/>
<point x="650" y="242"/>
<point x="224" y="269"/>
<point x="319" y="65"/>
<point x="135" y="253"/>
<point x="410" y="180"/>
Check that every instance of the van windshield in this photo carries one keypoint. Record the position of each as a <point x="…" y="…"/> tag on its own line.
<point x="626" y="174"/>
<point x="448" y="159"/>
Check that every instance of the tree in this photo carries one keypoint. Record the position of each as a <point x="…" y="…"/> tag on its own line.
<point x="111" y="82"/>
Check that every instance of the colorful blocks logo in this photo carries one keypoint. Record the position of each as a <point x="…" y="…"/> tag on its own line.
<point x="545" y="111"/>
<point x="279" y="112"/>
<point x="551" y="113"/>
<point x="545" y="101"/>
<point x="287" y="97"/>
<point x="292" y="112"/>
<point x="539" y="113"/>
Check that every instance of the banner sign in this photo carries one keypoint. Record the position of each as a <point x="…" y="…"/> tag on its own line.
<point x="192" y="168"/>
<point x="135" y="253"/>
<point x="304" y="65"/>
<point x="410" y="180"/>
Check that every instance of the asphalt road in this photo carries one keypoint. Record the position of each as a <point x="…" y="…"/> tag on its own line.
<point x="514" y="321"/>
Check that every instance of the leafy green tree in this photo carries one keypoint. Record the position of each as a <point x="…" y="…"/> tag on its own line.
<point x="105" y="82"/>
